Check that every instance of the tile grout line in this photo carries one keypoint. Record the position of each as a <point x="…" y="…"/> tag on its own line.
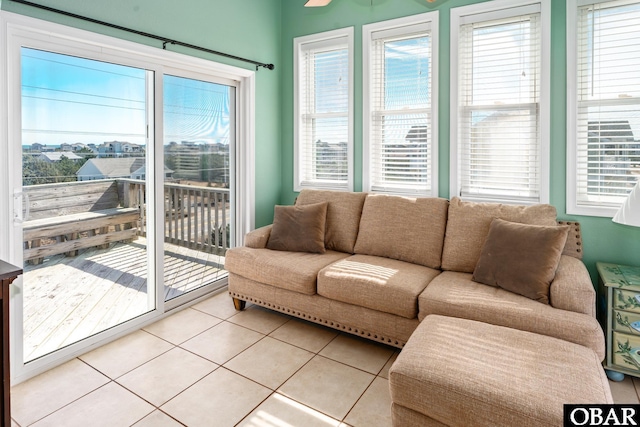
<point x="153" y="404"/>
<point x="263" y="335"/>
<point x="276" y="391"/>
<point x="297" y="346"/>
<point x="73" y="401"/>
<point x="339" y="333"/>
<point x="358" y="399"/>
<point x="155" y="407"/>
<point x="130" y="370"/>
<point x="213" y="361"/>
<point x="114" y="380"/>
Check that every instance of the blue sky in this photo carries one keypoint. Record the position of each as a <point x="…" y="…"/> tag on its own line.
<point x="69" y="99"/>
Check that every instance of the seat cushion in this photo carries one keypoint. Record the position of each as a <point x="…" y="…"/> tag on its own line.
<point x="295" y="271"/>
<point x="465" y="373"/>
<point x="377" y="283"/>
<point x="403" y="228"/>
<point x="343" y="216"/>
<point x="456" y="295"/>
<point x="468" y="226"/>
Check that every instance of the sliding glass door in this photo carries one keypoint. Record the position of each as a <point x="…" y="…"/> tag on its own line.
<point x="86" y="153"/>
<point x="125" y="184"/>
<point x="199" y="141"/>
<point x="84" y="148"/>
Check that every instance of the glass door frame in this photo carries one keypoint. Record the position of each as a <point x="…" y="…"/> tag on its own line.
<point x="233" y="178"/>
<point x="18" y="31"/>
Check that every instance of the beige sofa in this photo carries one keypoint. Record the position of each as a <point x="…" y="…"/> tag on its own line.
<point x="391" y="261"/>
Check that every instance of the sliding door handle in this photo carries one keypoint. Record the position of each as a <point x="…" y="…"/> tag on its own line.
<point x="20" y="198"/>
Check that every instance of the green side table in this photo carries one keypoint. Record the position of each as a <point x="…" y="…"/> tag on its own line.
<point x="618" y="311"/>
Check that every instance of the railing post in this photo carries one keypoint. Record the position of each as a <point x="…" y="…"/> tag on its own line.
<point x="131" y="195"/>
<point x="141" y="202"/>
<point x="126" y="202"/>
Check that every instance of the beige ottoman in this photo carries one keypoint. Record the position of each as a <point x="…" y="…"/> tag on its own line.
<point x="458" y="372"/>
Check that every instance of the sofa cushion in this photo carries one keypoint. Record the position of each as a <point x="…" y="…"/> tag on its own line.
<point x="377" y="283"/>
<point x="298" y="228"/>
<point x="343" y="216"/>
<point x="521" y="258"/>
<point x="295" y="271"/>
<point x="468" y="225"/>
<point x="403" y="228"/>
<point x="456" y="295"/>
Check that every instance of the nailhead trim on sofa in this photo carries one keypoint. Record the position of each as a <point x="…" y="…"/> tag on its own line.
<point x="316" y="319"/>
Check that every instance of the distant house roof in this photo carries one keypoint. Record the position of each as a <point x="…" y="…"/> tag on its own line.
<point x="417" y="133"/>
<point x="118" y="167"/>
<point x="56" y="156"/>
<point x="613" y="130"/>
<point x="143" y="171"/>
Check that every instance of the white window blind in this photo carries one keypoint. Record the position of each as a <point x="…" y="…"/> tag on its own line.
<point x="323" y="140"/>
<point x="400" y="131"/>
<point x="608" y="102"/>
<point x="499" y="138"/>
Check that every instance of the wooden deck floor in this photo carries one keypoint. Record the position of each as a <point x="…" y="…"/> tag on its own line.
<point x="70" y="298"/>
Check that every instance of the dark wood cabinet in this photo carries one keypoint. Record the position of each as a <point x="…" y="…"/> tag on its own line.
<point x="8" y="274"/>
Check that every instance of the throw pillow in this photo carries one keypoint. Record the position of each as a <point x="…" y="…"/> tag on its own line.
<point x="299" y="228"/>
<point x="468" y="225"/>
<point x="521" y="258"/>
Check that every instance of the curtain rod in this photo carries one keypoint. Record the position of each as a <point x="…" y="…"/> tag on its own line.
<point x="164" y="40"/>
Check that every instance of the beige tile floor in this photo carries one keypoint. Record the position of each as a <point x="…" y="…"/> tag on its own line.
<point x="211" y="366"/>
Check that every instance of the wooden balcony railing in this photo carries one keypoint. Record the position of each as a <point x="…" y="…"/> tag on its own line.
<point x="66" y="217"/>
<point x="195" y="217"/>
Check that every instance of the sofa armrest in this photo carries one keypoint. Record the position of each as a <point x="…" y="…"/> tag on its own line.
<point x="572" y="289"/>
<point x="258" y="238"/>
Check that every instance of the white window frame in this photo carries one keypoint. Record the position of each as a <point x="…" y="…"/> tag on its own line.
<point x="299" y="45"/>
<point x="575" y="207"/>
<point x="400" y="27"/>
<point x="18" y="30"/>
<point x="490" y="10"/>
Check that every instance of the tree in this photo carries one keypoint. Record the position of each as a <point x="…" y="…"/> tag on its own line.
<point x="37" y="171"/>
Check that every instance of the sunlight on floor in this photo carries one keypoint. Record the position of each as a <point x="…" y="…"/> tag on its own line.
<point x="286" y="406"/>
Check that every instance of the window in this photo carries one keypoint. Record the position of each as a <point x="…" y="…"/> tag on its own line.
<point x="604" y="104"/>
<point x="323" y="104"/>
<point x="499" y="102"/>
<point x="400" y="106"/>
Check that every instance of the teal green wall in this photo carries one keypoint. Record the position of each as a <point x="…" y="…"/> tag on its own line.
<point x="603" y="239"/>
<point x="245" y="28"/>
<point x="264" y="30"/>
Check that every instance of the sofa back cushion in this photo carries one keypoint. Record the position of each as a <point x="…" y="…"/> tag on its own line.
<point x="403" y="228"/>
<point x="343" y="216"/>
<point x="468" y="226"/>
